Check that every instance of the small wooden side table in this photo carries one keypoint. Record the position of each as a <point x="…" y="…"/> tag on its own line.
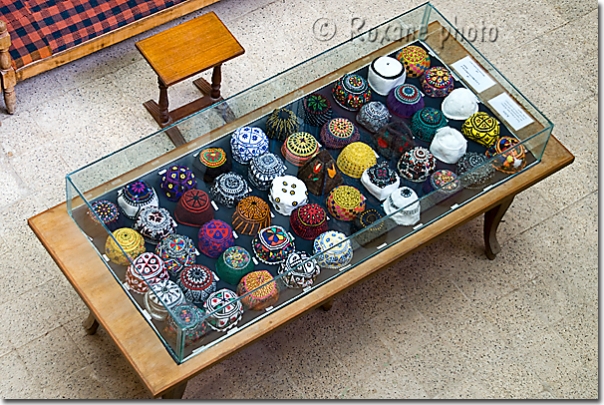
<point x="181" y="52"/>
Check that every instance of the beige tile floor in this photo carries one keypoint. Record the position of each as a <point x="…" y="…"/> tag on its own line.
<point x="443" y="323"/>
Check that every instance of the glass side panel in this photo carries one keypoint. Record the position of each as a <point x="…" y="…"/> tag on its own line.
<point x="343" y="236"/>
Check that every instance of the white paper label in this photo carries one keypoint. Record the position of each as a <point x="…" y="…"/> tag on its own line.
<point x="268" y="309"/>
<point x="214" y="205"/>
<point x="344" y="268"/>
<point x="418" y="226"/>
<point x="454" y="206"/>
<point x="510" y="111"/>
<point x="382" y="246"/>
<point x="235" y="235"/>
<point x="255" y="261"/>
<point x="163" y="172"/>
<point x="307" y="288"/>
<point x="106" y="258"/>
<point x="475" y="75"/>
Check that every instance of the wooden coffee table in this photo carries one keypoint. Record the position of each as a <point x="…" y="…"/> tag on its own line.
<point x="181" y="52"/>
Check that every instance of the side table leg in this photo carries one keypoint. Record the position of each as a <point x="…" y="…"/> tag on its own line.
<point x="91" y="324"/>
<point x="176" y="392"/>
<point x="164" y="114"/>
<point x="326" y="306"/>
<point x="492" y="218"/>
<point x="216" y="79"/>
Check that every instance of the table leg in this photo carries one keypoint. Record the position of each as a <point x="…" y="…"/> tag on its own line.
<point x="176" y="392"/>
<point x="216" y="79"/>
<point x="326" y="306"/>
<point x="91" y="324"/>
<point x="164" y="114"/>
<point x="492" y="218"/>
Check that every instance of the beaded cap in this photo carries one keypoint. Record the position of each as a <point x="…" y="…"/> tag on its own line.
<point x="281" y="124"/>
<point x="437" y="82"/>
<point x="481" y="128"/>
<point x="366" y="221"/>
<point x="403" y="207"/>
<point x="317" y="110"/>
<point x="145" y="270"/>
<point x="299" y="147"/>
<point x="320" y="173"/>
<point x="373" y="116"/>
<point x="190" y="321"/>
<point x="233" y="264"/>
<point x="263" y="169"/>
<point x="444" y="180"/>
<point x="214" y="238"/>
<point x="248" y="142"/>
<point x="130" y="241"/>
<point x="230" y="188"/>
<point x="210" y="163"/>
<point x="136" y="196"/>
<point x="299" y="270"/>
<point x="287" y="193"/>
<point x="197" y="282"/>
<point x="176" y="181"/>
<point x="339" y="132"/>
<point x="154" y="224"/>
<point x="308" y="221"/>
<point x="224" y="310"/>
<point x="194" y="208"/>
<point x="511" y="157"/>
<point x="261" y="290"/>
<point x="380" y="180"/>
<point x="416" y="164"/>
<point x="334" y="250"/>
<point x="404" y="100"/>
<point x="474" y="171"/>
<point x="176" y="251"/>
<point x="351" y="91"/>
<point x="272" y="244"/>
<point x="251" y="215"/>
<point x="393" y="139"/>
<point x="355" y="159"/>
<point x="415" y="59"/>
<point x="161" y="295"/>
<point x="345" y="203"/>
<point x="107" y="212"/>
<point x="426" y="121"/>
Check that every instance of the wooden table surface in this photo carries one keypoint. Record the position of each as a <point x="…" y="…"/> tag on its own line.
<point x="97" y="287"/>
<point x="189" y="48"/>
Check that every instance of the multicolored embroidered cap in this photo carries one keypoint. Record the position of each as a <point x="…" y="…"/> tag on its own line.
<point x="298" y="148"/>
<point x="258" y="290"/>
<point x="130" y="244"/>
<point x="373" y="116"/>
<point x="176" y="181"/>
<point x="393" y="139"/>
<point x="355" y="159"/>
<point x="317" y="110"/>
<point x="299" y="270"/>
<point x="136" y="196"/>
<point x="194" y="208"/>
<point x="251" y="215"/>
<point x="229" y="188"/>
<point x="233" y="264"/>
<point x="154" y="224"/>
<point x="190" y="322"/>
<point x="320" y="173"/>
<point x="211" y="163"/>
<point x="308" y="221"/>
<point x="339" y="132"/>
<point x="333" y="250"/>
<point x="405" y="100"/>
<point x="443" y="183"/>
<point x="426" y="122"/>
<point x="345" y="203"/>
<point x="287" y="193"/>
<point x="437" y="82"/>
<point x="197" y="282"/>
<point x="145" y="270"/>
<point x="273" y="244"/>
<point x="215" y="237"/>
<point x="510" y="155"/>
<point x="351" y="91"/>
<point x="177" y="252"/>
<point x="481" y="128"/>
<point x="380" y="180"/>
<point x="263" y="169"/>
<point x="106" y="212"/>
<point x="415" y="59"/>
<point x="160" y="296"/>
<point x="281" y="124"/>
<point x="247" y="143"/>
<point x="416" y="164"/>
<point x="224" y="310"/>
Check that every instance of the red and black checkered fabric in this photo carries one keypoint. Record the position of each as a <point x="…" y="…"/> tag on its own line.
<point x="39" y="28"/>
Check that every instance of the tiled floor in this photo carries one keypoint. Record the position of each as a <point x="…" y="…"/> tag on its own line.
<point x="443" y="323"/>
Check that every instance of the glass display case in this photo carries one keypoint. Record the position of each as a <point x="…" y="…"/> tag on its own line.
<point x="327" y="164"/>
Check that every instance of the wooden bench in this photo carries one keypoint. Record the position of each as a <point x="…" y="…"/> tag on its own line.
<point x="28" y="47"/>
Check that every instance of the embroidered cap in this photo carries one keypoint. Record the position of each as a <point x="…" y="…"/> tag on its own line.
<point x="373" y="116"/>
<point x="299" y="148"/>
<point x="160" y="296"/>
<point x="426" y="122"/>
<point x="190" y="322"/>
<point x="136" y="196"/>
<point x="194" y="208"/>
<point x="317" y="110"/>
<point x="281" y="124"/>
<point x="287" y="193"/>
<point x="355" y="159"/>
<point x="176" y="181"/>
<point x="320" y="174"/>
<point x="131" y="243"/>
<point x="380" y="180"/>
<point x="233" y="264"/>
<point x="299" y="270"/>
<point x="403" y="207"/>
<point x="345" y="203"/>
<point x="145" y="270"/>
<point x="263" y="169"/>
<point x="339" y="132"/>
<point x="214" y="238"/>
<point x="229" y="189"/>
<point x="258" y="290"/>
<point x="106" y="212"/>
<point x="437" y="82"/>
<point x="197" y="282"/>
<point x="333" y="250"/>
<point x="154" y="224"/>
<point x="415" y="59"/>
<point x="393" y="139"/>
<point x="404" y="101"/>
<point x="272" y="244"/>
<point x="251" y="215"/>
<point x="224" y="310"/>
<point x="247" y="143"/>
<point x="351" y="91"/>
<point x="177" y="252"/>
<point x="416" y="164"/>
<point x="308" y="221"/>
<point x="481" y="128"/>
<point x="211" y="163"/>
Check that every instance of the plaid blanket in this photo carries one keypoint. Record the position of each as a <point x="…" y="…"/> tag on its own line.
<point x="40" y="28"/>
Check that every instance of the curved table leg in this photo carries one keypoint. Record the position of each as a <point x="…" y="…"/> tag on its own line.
<point x="175" y="392"/>
<point x="492" y="218"/>
<point x="91" y="324"/>
<point x="326" y="306"/>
